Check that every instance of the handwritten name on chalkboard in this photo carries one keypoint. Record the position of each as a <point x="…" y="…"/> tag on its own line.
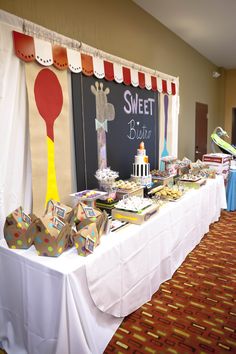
<point x="135" y="105"/>
<point x="136" y="132"/>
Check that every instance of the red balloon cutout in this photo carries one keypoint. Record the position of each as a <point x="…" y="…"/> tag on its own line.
<point x="49" y="98"/>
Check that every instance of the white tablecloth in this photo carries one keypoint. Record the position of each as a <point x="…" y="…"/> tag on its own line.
<point x="129" y="269"/>
<point x="71" y="305"/>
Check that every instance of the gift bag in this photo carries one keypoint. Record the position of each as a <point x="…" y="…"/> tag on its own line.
<point x="61" y="211"/>
<point x="86" y="238"/>
<point x="90" y="224"/>
<point x="52" y="237"/>
<point x="19" y="229"/>
<point x="83" y="212"/>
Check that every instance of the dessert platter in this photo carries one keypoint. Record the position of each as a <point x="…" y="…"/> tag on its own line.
<point x="88" y="194"/>
<point x="134" y="210"/>
<point x="126" y="185"/>
<point x="162" y="177"/>
<point x="192" y="181"/>
<point x="190" y="178"/>
<point x="160" y="174"/>
<point x="170" y="194"/>
<point x="134" y="204"/>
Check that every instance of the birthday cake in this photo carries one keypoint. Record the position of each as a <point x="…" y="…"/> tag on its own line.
<point x="141" y="167"/>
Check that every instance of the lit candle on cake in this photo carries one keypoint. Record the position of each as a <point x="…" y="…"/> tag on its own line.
<point x="141" y="146"/>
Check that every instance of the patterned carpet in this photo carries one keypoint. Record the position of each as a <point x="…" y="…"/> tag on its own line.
<point x="195" y="311"/>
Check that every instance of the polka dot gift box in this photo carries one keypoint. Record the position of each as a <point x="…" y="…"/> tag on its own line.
<point x="86" y="239"/>
<point x="84" y="215"/>
<point x="82" y="212"/>
<point x="52" y="236"/>
<point x="19" y="229"/>
<point x="62" y="211"/>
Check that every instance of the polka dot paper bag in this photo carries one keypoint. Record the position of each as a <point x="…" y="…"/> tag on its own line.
<point x="52" y="236"/>
<point x="86" y="238"/>
<point x="59" y="210"/>
<point x="83" y="212"/>
<point x="19" y="229"/>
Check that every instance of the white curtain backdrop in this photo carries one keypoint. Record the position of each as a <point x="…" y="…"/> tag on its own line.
<point x="15" y="161"/>
<point x="15" y="171"/>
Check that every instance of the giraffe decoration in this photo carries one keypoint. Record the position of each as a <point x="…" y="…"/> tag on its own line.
<point x="104" y="112"/>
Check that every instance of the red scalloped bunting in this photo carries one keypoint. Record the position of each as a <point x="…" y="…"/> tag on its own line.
<point x="25" y="50"/>
<point x="126" y="75"/>
<point x="164" y="86"/>
<point x="59" y="55"/>
<point x="24" y="46"/>
<point x="109" y="70"/>
<point x="141" y="80"/>
<point x="173" y="88"/>
<point x="154" y="83"/>
<point x="87" y="64"/>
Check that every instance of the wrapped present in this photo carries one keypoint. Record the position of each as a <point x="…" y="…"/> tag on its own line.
<point x="86" y="237"/>
<point x="52" y="236"/>
<point x="62" y="211"/>
<point x="19" y="229"/>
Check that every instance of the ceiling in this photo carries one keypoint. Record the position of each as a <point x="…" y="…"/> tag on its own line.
<point x="209" y="26"/>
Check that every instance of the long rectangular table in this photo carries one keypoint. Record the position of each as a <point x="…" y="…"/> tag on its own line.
<point x="72" y="304"/>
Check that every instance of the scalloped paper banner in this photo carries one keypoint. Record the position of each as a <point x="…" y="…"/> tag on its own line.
<point x="29" y="49"/>
<point x="60" y="60"/>
<point x="134" y="77"/>
<point x="109" y="70"/>
<point x="141" y="79"/>
<point x="74" y="60"/>
<point x="98" y="67"/>
<point x="87" y="64"/>
<point x="148" y="82"/>
<point x="24" y="46"/>
<point x="43" y="52"/>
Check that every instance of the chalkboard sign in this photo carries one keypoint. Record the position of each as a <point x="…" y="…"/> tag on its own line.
<point x="132" y="117"/>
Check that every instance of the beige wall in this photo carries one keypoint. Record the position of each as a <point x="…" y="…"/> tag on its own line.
<point x="121" y="28"/>
<point x="230" y="99"/>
